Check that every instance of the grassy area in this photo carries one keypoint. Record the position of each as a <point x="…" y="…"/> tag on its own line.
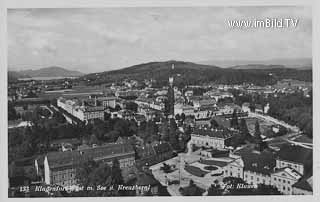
<point x="264" y="125"/>
<point x="195" y="171"/>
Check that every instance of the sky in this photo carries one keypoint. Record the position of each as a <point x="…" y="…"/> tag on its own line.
<point x="102" y="39"/>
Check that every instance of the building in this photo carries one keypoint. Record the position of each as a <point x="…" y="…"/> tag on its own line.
<point x="296" y="157"/>
<point x="258" y="166"/>
<point x="108" y="102"/>
<point x="235" y="167"/>
<point x="217" y="139"/>
<point x="151" y="154"/>
<point x="303" y="186"/>
<point x="202" y="101"/>
<point x="60" y="167"/>
<point x="284" y="178"/>
<point x="80" y="110"/>
<point x="183" y="109"/>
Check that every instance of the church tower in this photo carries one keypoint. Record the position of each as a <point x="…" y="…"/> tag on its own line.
<point x="171" y="94"/>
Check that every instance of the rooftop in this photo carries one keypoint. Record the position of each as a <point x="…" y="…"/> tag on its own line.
<point x="73" y="158"/>
<point x="224" y="134"/>
<point x="260" y="162"/>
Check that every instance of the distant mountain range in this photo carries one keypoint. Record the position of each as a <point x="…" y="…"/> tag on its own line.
<point x="188" y="73"/>
<point x="44" y="72"/>
<point x="298" y="63"/>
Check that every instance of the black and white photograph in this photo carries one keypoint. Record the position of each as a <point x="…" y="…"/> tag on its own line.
<point x="159" y="101"/>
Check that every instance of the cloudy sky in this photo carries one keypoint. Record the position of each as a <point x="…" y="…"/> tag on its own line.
<point x="92" y="40"/>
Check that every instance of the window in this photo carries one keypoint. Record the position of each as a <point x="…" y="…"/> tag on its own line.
<point x="257" y="179"/>
<point x="275" y="179"/>
<point x="251" y="177"/>
<point x="279" y="180"/>
<point x="246" y="176"/>
<point x="288" y="188"/>
<point x="284" y="181"/>
<point x="284" y="188"/>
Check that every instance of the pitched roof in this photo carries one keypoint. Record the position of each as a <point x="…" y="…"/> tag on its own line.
<point x="303" y="184"/>
<point x="292" y="172"/>
<point x="260" y="162"/>
<point x="73" y="158"/>
<point x="224" y="134"/>
<point x="295" y="154"/>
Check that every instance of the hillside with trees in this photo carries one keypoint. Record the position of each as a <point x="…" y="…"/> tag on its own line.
<point x="187" y="73"/>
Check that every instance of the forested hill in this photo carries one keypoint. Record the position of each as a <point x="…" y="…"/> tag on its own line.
<point x="192" y="73"/>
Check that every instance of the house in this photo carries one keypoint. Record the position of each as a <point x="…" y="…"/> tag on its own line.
<point x="214" y="138"/>
<point x="284" y="178"/>
<point x="296" y="157"/>
<point x="183" y="109"/>
<point x="60" y="167"/>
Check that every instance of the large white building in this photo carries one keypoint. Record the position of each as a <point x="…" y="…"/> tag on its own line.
<point x="80" y="111"/>
<point x="284" y="178"/>
<point x="214" y="138"/>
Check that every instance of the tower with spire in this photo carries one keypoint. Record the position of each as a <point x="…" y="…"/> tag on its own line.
<point x="171" y="94"/>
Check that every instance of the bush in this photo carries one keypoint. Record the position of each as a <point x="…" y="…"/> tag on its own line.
<point x="211" y="168"/>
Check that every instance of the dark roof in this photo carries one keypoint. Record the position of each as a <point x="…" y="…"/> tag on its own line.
<point x="295" y="154"/>
<point x="260" y="162"/>
<point x="74" y="158"/>
<point x="214" y="162"/>
<point x="303" y="184"/>
<point x="224" y="134"/>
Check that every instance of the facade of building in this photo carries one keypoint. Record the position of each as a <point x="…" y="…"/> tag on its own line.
<point x="183" y="109"/>
<point x="60" y="167"/>
<point x="80" y="111"/>
<point x="284" y="178"/>
<point x="214" y="138"/>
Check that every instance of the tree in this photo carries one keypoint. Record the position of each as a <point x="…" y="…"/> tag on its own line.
<point x="257" y="132"/>
<point x="116" y="176"/>
<point x="177" y="117"/>
<point x="131" y="106"/>
<point x="191" y="190"/>
<point x="215" y="189"/>
<point x="91" y="173"/>
<point x="183" y="117"/>
<point x="173" y="138"/>
<point x="93" y="140"/>
<point x="164" y="130"/>
<point x="234" y="120"/>
<point x="12" y="114"/>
